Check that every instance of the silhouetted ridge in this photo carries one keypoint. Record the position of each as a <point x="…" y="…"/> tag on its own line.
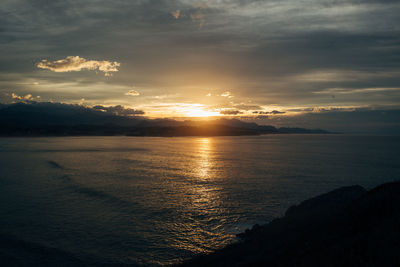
<point x="57" y="119"/>
<point x="346" y="227"/>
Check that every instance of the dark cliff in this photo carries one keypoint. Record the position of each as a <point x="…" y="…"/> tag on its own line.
<point x="346" y="227"/>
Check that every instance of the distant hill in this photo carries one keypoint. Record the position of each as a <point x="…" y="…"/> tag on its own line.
<point x="57" y="119"/>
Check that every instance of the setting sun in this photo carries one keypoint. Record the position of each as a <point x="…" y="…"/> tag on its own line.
<point x="198" y="112"/>
<point x="195" y="110"/>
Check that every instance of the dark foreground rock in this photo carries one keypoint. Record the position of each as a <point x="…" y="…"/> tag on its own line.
<point x="346" y="227"/>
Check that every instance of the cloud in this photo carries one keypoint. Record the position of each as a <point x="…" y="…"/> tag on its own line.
<point x="198" y="16"/>
<point x="132" y="93"/>
<point x="195" y="13"/>
<point x="355" y="91"/>
<point x="247" y="107"/>
<point x="76" y="63"/>
<point x="274" y="112"/>
<point x="119" y="110"/>
<point x="176" y="14"/>
<point x="335" y="75"/>
<point x="277" y="112"/>
<point x="230" y="112"/>
<point x="18" y="97"/>
<point x="227" y="94"/>
<point x="28" y="97"/>
<point x="261" y="117"/>
<point x="15" y="96"/>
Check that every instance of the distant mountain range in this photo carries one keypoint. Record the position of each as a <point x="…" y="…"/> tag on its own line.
<point x="57" y="119"/>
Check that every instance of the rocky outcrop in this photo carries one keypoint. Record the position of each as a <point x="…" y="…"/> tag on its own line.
<point x="346" y="227"/>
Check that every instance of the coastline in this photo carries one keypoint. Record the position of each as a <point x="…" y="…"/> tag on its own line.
<point x="349" y="226"/>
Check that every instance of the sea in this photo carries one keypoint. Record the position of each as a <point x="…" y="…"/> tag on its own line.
<point x="154" y="201"/>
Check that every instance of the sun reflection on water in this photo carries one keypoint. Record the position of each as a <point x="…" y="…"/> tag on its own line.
<point x="203" y="221"/>
<point x="204" y="162"/>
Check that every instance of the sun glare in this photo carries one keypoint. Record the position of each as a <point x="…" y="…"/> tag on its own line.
<point x="197" y="111"/>
<point x="200" y="113"/>
<point x="181" y="110"/>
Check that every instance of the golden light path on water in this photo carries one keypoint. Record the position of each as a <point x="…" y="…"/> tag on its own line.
<point x="203" y="230"/>
<point x="204" y="163"/>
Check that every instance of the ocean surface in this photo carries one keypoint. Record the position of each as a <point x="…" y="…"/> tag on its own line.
<point x="156" y="201"/>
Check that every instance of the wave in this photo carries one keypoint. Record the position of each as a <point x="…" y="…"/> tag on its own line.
<point x="100" y="195"/>
<point x="55" y="164"/>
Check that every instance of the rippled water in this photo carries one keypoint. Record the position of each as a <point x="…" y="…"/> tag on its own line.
<point x="160" y="200"/>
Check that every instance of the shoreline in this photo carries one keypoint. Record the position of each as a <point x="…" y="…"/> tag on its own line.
<point x="349" y="226"/>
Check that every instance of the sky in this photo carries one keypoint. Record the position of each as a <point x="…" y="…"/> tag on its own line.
<point x="178" y="58"/>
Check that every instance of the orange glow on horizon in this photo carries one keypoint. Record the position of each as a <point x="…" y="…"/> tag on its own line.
<point x="182" y="110"/>
<point x="195" y="110"/>
<point x="200" y="113"/>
